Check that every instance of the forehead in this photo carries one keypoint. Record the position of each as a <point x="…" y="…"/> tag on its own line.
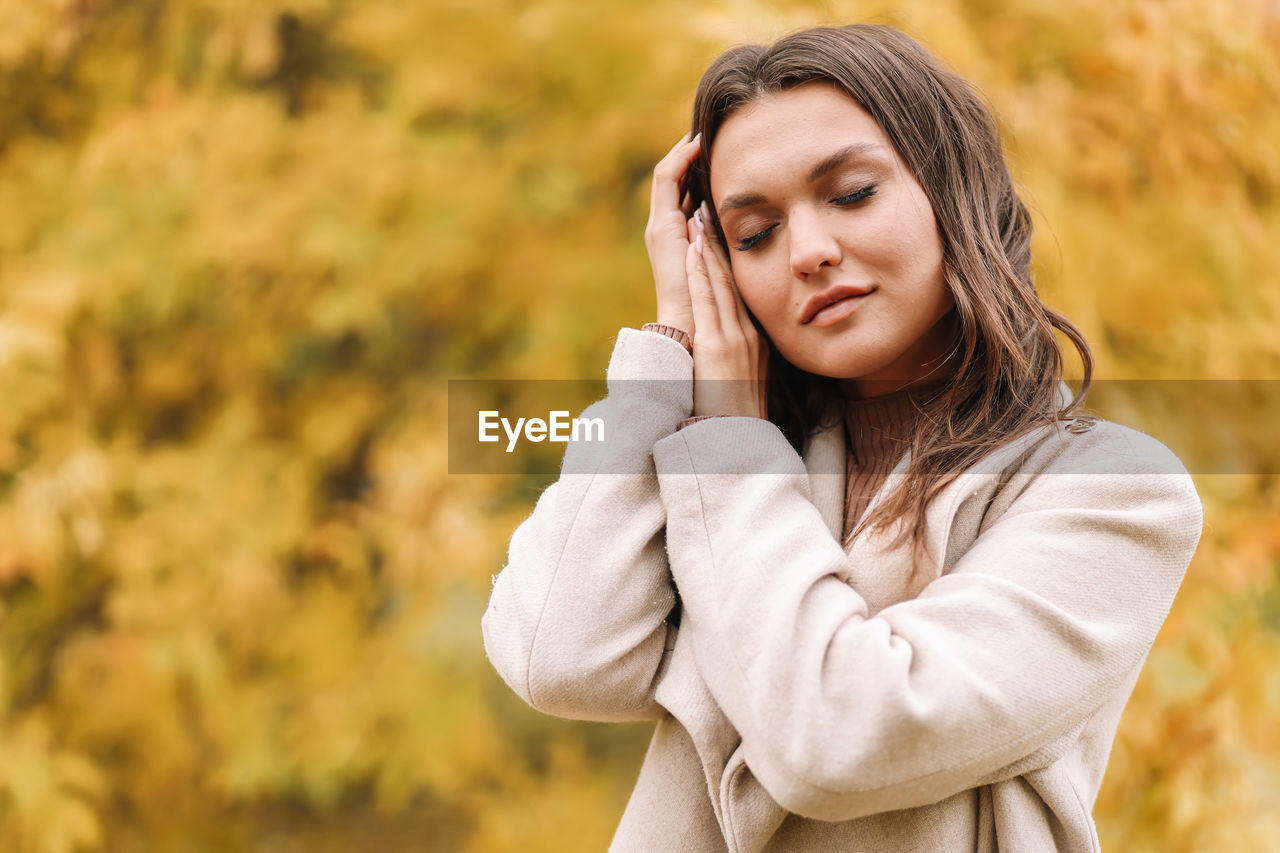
<point x="780" y="137"/>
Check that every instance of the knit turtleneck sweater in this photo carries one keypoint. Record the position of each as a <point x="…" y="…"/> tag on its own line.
<point x="878" y="432"/>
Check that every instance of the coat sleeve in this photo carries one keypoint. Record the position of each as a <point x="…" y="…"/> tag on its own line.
<point x="577" y="619"/>
<point x="844" y="715"/>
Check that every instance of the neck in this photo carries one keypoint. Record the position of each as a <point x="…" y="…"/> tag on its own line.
<point x="863" y="389"/>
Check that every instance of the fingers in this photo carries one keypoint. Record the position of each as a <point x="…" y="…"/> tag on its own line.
<point x="665" y="235"/>
<point x="719" y="262"/>
<point x="733" y="315"/>
<point x="669" y="175"/>
<point x="717" y="247"/>
<point x="718" y="307"/>
<point x="706" y="311"/>
<point x="726" y="295"/>
<point x="727" y="345"/>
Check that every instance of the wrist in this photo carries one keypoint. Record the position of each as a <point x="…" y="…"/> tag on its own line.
<point x="676" y="320"/>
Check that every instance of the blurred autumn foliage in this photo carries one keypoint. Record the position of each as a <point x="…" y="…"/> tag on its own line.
<point x="244" y="244"/>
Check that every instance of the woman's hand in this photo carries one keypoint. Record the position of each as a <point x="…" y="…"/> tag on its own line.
<point x="667" y="234"/>
<point x="730" y="357"/>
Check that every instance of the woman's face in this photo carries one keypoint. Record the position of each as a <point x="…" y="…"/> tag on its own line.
<point x="817" y="206"/>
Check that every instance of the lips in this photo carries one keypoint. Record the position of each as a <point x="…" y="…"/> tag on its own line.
<point x="818" y="301"/>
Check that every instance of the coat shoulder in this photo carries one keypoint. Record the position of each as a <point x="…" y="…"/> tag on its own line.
<point x="1085" y="462"/>
<point x="1084" y="445"/>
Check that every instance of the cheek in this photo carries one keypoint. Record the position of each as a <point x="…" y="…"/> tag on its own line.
<point x="907" y="234"/>
<point x="762" y="300"/>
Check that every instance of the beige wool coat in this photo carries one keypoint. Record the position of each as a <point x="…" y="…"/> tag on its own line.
<point x="813" y="698"/>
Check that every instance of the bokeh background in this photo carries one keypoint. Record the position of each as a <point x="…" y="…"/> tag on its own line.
<point x="245" y="243"/>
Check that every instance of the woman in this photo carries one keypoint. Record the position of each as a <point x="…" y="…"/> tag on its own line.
<point x="879" y="586"/>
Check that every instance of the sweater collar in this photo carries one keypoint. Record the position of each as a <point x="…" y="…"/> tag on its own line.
<point x="879" y="429"/>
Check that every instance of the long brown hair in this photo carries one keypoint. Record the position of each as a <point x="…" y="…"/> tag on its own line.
<point x="1009" y="362"/>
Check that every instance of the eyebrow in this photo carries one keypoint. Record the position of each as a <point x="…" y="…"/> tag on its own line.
<point x="836" y="160"/>
<point x="829" y="164"/>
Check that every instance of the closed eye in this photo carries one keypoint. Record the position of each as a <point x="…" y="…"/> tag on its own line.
<point x="750" y="242"/>
<point x="856" y="196"/>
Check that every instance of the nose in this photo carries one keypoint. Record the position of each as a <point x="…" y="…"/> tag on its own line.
<point x="813" y="245"/>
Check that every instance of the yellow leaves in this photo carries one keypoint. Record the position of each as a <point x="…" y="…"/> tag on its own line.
<point x="252" y="593"/>
<point x="243" y="34"/>
<point x="243" y="241"/>
<point x="1195" y="763"/>
<point x="32" y="348"/>
<point x="30" y="355"/>
<point x="341" y="411"/>
<point x="259" y="52"/>
<point x="51" y="27"/>
<point x="534" y="813"/>
<point x="21" y="26"/>
<point x="52" y="514"/>
<point x="22" y="346"/>
<point x="47" y="793"/>
<point x="1144" y="150"/>
<point x="1194" y="766"/>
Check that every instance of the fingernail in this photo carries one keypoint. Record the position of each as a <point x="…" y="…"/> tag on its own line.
<point x="704" y="210"/>
<point x="698" y="244"/>
<point x="697" y="137"/>
<point x="697" y="219"/>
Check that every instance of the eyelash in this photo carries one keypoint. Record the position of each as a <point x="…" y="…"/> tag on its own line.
<point x="854" y="197"/>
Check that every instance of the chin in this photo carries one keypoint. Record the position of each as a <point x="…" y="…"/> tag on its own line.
<point x="837" y="366"/>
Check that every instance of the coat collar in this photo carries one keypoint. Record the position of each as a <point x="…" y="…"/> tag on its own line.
<point x="824" y="460"/>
